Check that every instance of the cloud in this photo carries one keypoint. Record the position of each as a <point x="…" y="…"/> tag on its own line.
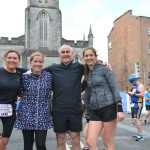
<point x="81" y="15"/>
<point x="12" y="17"/>
<point x="142" y="8"/>
<point x="84" y="14"/>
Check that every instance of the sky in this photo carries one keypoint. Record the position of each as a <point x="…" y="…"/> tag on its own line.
<point x="77" y="16"/>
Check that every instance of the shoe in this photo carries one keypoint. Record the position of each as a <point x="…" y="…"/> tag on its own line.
<point x="134" y="136"/>
<point x="145" y="121"/>
<point x="104" y="148"/>
<point x="139" y="138"/>
<point x="85" y="148"/>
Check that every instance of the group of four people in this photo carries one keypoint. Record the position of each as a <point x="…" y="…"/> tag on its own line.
<point x="34" y="86"/>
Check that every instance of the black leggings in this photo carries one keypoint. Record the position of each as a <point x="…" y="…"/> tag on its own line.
<point x="40" y="139"/>
<point x="8" y="123"/>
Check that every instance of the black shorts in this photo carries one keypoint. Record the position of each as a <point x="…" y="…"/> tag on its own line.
<point x="63" y="123"/>
<point x="87" y="120"/>
<point x="8" y="124"/>
<point x="105" y="114"/>
<point x="147" y="107"/>
<point x="136" y="112"/>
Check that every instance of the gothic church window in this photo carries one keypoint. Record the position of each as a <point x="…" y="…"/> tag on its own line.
<point x="109" y="45"/>
<point x="77" y="58"/>
<point x="43" y="29"/>
<point x="149" y="48"/>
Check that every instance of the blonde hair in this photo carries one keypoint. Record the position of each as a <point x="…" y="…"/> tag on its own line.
<point x="36" y="54"/>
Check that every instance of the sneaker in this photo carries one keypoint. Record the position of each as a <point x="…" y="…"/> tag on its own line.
<point x="134" y="136"/>
<point x="139" y="138"/>
<point x="85" y="148"/>
<point x="145" y="122"/>
<point x="133" y="124"/>
<point x="104" y="148"/>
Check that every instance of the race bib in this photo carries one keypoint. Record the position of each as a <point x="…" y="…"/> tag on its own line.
<point x="6" y="110"/>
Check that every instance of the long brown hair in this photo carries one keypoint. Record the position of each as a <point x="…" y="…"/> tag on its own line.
<point x="86" y="68"/>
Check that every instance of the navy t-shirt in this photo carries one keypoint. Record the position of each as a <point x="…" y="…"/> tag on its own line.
<point x="66" y="84"/>
<point x="9" y="86"/>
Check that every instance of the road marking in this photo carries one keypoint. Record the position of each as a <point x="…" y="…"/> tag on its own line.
<point x="69" y="146"/>
<point x="81" y="144"/>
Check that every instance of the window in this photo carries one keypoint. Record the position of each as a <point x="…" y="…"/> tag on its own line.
<point x="46" y="1"/>
<point x="149" y="48"/>
<point x="109" y="45"/>
<point x="43" y="29"/>
<point x="148" y="30"/>
<point x="77" y="58"/>
<point x="40" y="1"/>
<point x="148" y="76"/>
<point x="137" y="69"/>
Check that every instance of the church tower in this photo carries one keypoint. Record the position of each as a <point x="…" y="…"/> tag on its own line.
<point x="43" y="26"/>
<point x="43" y="32"/>
<point x="90" y="37"/>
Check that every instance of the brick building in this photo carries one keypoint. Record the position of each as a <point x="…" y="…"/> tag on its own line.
<point x="129" y="49"/>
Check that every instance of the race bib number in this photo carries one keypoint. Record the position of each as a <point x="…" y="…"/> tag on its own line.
<point x="6" y="110"/>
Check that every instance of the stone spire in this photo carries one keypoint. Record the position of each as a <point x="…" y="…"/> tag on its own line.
<point x="90" y="37"/>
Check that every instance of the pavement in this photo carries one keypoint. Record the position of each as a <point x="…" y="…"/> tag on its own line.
<point x="123" y="140"/>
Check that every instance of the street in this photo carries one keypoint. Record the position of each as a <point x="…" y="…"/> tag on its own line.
<point x="123" y="140"/>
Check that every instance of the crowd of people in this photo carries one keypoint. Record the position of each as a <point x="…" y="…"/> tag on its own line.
<point x="36" y="113"/>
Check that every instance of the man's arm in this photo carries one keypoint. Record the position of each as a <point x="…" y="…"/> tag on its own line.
<point x="83" y="85"/>
<point x="22" y="70"/>
<point x="108" y="66"/>
<point x="141" y="89"/>
<point x="48" y="69"/>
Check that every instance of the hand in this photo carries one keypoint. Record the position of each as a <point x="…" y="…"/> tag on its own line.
<point x="120" y="116"/>
<point x="131" y="93"/>
<point x="83" y="102"/>
<point x="108" y="65"/>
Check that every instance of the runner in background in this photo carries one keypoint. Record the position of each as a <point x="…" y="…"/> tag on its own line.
<point x="137" y="95"/>
<point x="147" y="105"/>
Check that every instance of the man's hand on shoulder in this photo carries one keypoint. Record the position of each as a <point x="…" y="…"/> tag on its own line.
<point x="108" y="66"/>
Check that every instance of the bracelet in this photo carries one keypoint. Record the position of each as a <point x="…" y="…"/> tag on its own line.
<point x="119" y="108"/>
